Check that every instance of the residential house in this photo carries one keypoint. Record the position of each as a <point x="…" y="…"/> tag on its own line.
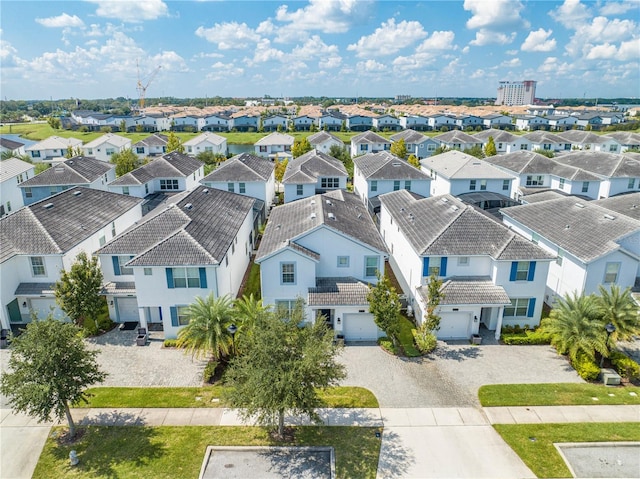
<point x="106" y="145"/>
<point x="417" y="144"/>
<point x="531" y="122"/>
<point x="503" y="140"/>
<point x="543" y="140"/>
<point x="274" y="145"/>
<point x="14" y="147"/>
<point x="440" y="120"/>
<point x="368" y="142"/>
<point x="332" y="121"/>
<point x="313" y="173"/>
<point x="216" y="122"/>
<point x="457" y="140"/>
<point x="491" y="276"/>
<point x="359" y="122"/>
<point x="497" y="120"/>
<point x="13" y="172"/>
<point x="323" y="141"/>
<point x="414" y="122"/>
<point x="590" y="120"/>
<point x="151" y="123"/>
<point x="628" y="205"/>
<point x="190" y="123"/>
<point x="198" y="246"/>
<point x="206" y="142"/>
<point x="593" y="245"/>
<point x="153" y="145"/>
<point x="469" y="121"/>
<point x="275" y="123"/>
<point x="626" y="139"/>
<point x="561" y="122"/>
<point x="387" y="122"/>
<point x="379" y="173"/>
<point x="325" y="250"/>
<point x="52" y="149"/>
<point x="456" y="173"/>
<point x="586" y="140"/>
<point x="304" y="122"/>
<point x="39" y="240"/>
<point x="243" y="122"/>
<point x="169" y="173"/>
<point x="82" y="171"/>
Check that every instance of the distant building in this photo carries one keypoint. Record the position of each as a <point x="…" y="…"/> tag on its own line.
<point x="516" y="93"/>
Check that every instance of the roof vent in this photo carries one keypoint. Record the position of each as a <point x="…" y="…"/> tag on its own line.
<point x="609" y="217"/>
<point x="331" y="216"/>
<point x="454" y="208"/>
<point x="58" y="169"/>
<point x="188" y="206"/>
<point x="48" y="206"/>
<point x="395" y="164"/>
<point x="77" y="193"/>
<point x="206" y="191"/>
<point x="567" y="227"/>
<point x="445" y="200"/>
<point x="313" y="202"/>
<point x="70" y="162"/>
<point x="476" y="163"/>
<point x="312" y="216"/>
<point x="579" y="205"/>
<point x="329" y="203"/>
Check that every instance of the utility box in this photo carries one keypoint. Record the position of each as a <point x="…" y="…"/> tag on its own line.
<point x="610" y="377"/>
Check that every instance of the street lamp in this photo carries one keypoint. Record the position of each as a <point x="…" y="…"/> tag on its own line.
<point x="232" y="328"/>
<point x="610" y="328"/>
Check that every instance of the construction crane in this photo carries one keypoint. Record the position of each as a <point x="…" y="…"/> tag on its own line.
<point x="143" y="84"/>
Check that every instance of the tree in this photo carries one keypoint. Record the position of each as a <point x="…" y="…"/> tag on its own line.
<point x="281" y="166"/>
<point x="123" y="126"/>
<point x="77" y="291"/>
<point x="299" y="148"/>
<point x="435" y="295"/>
<point x="384" y="304"/>
<point x="490" y="149"/>
<point x="282" y="367"/>
<point x="399" y="148"/>
<point x="211" y="158"/>
<point x="248" y="310"/>
<point x="441" y="149"/>
<point x="547" y="153"/>
<point x="125" y="161"/>
<point x="207" y="332"/>
<point x="174" y="143"/>
<point x="54" y="122"/>
<point x="49" y="369"/>
<point x="71" y="151"/>
<point x="414" y="161"/>
<point x="617" y="306"/>
<point x="342" y="153"/>
<point x="475" y="151"/>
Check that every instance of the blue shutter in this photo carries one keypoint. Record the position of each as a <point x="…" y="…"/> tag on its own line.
<point x="203" y="278"/>
<point x="425" y="266"/>
<point x="116" y="265"/>
<point x="443" y="266"/>
<point x="174" y="316"/>
<point x="514" y="271"/>
<point x="532" y="270"/>
<point x="532" y="307"/>
<point x="169" y="272"/>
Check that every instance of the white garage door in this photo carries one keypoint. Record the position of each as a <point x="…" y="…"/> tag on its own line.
<point x="359" y="327"/>
<point x="454" y="325"/>
<point x="42" y="308"/>
<point x="127" y="309"/>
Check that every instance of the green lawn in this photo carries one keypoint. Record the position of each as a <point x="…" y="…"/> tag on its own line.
<point x="252" y="285"/>
<point x="104" y="397"/>
<point x="534" y="442"/>
<point x="406" y="337"/>
<point x="563" y="394"/>
<point x="176" y="452"/>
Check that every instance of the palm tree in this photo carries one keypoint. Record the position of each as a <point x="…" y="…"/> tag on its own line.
<point x="248" y="310"/>
<point x="576" y="327"/>
<point x="620" y="309"/>
<point x="207" y="331"/>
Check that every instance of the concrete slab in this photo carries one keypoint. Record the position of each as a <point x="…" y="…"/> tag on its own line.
<point x="525" y="415"/>
<point x="230" y="417"/>
<point x="153" y="416"/>
<point x="447" y="417"/>
<point x="16" y="420"/>
<point x="178" y="417"/>
<point x="577" y="413"/>
<point x="21" y="448"/>
<point x="4" y="413"/>
<point x="551" y="414"/>
<point x="397" y="416"/>
<point x="472" y="416"/>
<point x="499" y="415"/>
<point x="366" y="417"/>
<point x="421" y="417"/>
<point x="206" y="417"/>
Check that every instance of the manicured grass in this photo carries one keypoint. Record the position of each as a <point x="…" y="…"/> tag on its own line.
<point x="406" y="337"/>
<point x="104" y="397"/>
<point x="252" y="285"/>
<point x="534" y="442"/>
<point x="172" y="452"/>
<point x="563" y="394"/>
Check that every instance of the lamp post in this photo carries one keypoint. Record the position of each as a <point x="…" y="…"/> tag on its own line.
<point x="232" y="328"/>
<point x="609" y="328"/>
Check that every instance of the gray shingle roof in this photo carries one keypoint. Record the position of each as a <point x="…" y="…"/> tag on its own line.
<point x="584" y="229"/>
<point x="171" y="165"/>
<point x="120" y="287"/>
<point x="79" y="170"/>
<point x="12" y="167"/>
<point x="368" y="137"/>
<point x="35" y="289"/>
<point x="72" y="218"/>
<point x="321" y="137"/>
<point x="470" y="290"/>
<point x="409" y="136"/>
<point x="608" y="165"/>
<point x="625" y="137"/>
<point x="541" y="136"/>
<point x="275" y="139"/>
<point x="456" y="136"/>
<point x="339" y="292"/>
<point x="157" y="139"/>
<point x="10" y="144"/>
<point x="544" y="194"/>
<point x="289" y="221"/>
<point x="444" y="225"/>
<point x="578" y="136"/>
<point x="242" y="167"/>
<point x="460" y="166"/>
<point x="499" y="136"/>
<point x="385" y="166"/>
<point x="530" y="162"/>
<point x="628" y="204"/>
<point x="311" y="166"/>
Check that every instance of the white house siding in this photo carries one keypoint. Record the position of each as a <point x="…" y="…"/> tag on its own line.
<point x="618" y="186"/>
<point x="203" y="146"/>
<point x="270" y="281"/>
<point x="420" y="187"/>
<point x="291" y="191"/>
<point x="104" y="151"/>
<point x="11" y="194"/>
<point x="325" y="146"/>
<point x="254" y="189"/>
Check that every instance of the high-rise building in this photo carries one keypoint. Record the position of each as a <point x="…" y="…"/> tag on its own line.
<point x="516" y="93"/>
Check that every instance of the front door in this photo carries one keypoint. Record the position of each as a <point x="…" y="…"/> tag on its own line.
<point x="485" y="317"/>
<point x="13" y="308"/>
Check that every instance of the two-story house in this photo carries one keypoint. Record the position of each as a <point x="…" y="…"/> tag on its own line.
<point x="368" y="142"/>
<point x="325" y="250"/>
<point x="206" y="142"/>
<point x="414" y="122"/>
<point x="497" y="120"/>
<point x="216" y="122"/>
<point x="13" y="172"/>
<point x="39" y="240"/>
<point x="323" y="141"/>
<point x="332" y="121"/>
<point x="387" y="122"/>
<point x="274" y="145"/>
<point x="304" y="122"/>
<point x="543" y="140"/>
<point x="502" y="139"/>
<point x="106" y="145"/>
<point x="491" y="276"/>
<point x="275" y="123"/>
<point x="52" y="149"/>
<point x="359" y="122"/>
<point x="457" y="140"/>
<point x="417" y="144"/>
<point x="313" y="173"/>
<point x="16" y="148"/>
<point x="153" y="145"/>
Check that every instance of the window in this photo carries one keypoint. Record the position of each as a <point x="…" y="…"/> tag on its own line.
<point x="122" y="260"/>
<point x="611" y="271"/>
<point x="299" y="190"/>
<point x="102" y="240"/>
<point x="524" y="147"/>
<point x="35" y="154"/>
<point x="110" y="151"/>
<point x="140" y="150"/>
<point x="183" y="315"/>
<point x="371" y="265"/>
<point x="146" y="188"/>
<point x="113" y="229"/>
<point x="210" y="149"/>
<point x="613" y="148"/>
<point x="472" y="184"/>
<point x="483" y="185"/>
<point x="37" y="266"/>
<point x="330" y="183"/>
<point x="522" y="271"/>
<point x="287" y="273"/>
<point x="561" y="183"/>
<point x="186" y="277"/>
<point x="585" y="186"/>
<point x="343" y="261"/>
<point x="435" y="269"/>
<point x="560" y="257"/>
<point x="546" y="146"/>
<point x="148" y="271"/>
<point x="230" y="187"/>
<point x="125" y="190"/>
<point x="537" y="180"/>
<point x="463" y="261"/>
<point x="285" y="305"/>
<point x="242" y="188"/>
<point x="168" y="184"/>
<point x="28" y="193"/>
<point x="263" y="149"/>
<point x="518" y="307"/>
<point x="374" y="185"/>
<point x="505" y="185"/>
<point x="632" y="183"/>
<point x="535" y="238"/>
<point x="407" y="185"/>
<point x="364" y="147"/>
<point x="396" y="185"/>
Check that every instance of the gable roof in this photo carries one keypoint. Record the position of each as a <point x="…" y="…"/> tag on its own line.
<point x="54" y="143"/>
<point x="170" y="165"/>
<point x="336" y="210"/>
<point x="530" y="162"/>
<point x="206" y="136"/>
<point x="242" y="167"/>
<point x="578" y="136"/>
<point x="275" y="139"/>
<point x="625" y="137"/>
<point x="604" y="164"/>
<point x="368" y="137"/>
<point x="10" y="144"/>
<point x="321" y="137"/>
<point x="409" y="136"/>
<point x="58" y="223"/>
<point x="456" y="136"/>
<point x="385" y="166"/>
<point x="157" y="139"/>
<point x="457" y="165"/>
<point x="627" y="204"/>
<point x="198" y="230"/>
<point x="541" y="136"/>
<point x="311" y="166"/>
<point x="78" y="170"/>
<point x="444" y="225"/>
<point x="110" y="138"/>
<point x="584" y="229"/>
<point x="499" y="136"/>
<point x="12" y="167"/>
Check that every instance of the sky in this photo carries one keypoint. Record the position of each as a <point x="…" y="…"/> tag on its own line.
<point x="333" y="48"/>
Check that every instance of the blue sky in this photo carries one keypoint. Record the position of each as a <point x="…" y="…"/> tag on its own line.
<point x="334" y="48"/>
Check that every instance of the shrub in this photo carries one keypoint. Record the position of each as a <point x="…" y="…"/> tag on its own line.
<point x="170" y="343"/>
<point x="586" y="368"/>
<point x="528" y="337"/>
<point x="425" y="341"/>
<point x="624" y="365"/>
<point x="386" y="344"/>
<point x="209" y="372"/>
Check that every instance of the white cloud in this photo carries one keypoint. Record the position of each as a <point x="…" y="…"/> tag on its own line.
<point x="314" y="47"/>
<point x="265" y="53"/>
<point x="618" y="8"/>
<point x="494" y="14"/>
<point x="389" y="38"/>
<point x="221" y="70"/>
<point x="605" y="50"/>
<point x="601" y="30"/>
<point x="131" y="11"/>
<point x="478" y="74"/>
<point x="327" y="16"/>
<point x="629" y="50"/>
<point x="170" y="61"/>
<point x="440" y="40"/>
<point x="487" y="37"/>
<point x="553" y="66"/>
<point x="511" y="52"/>
<point x="229" y="36"/>
<point x="371" y="66"/>
<point x="61" y="21"/>
<point x="208" y="55"/>
<point x="539" y="41"/>
<point x="571" y="14"/>
<point x="514" y="62"/>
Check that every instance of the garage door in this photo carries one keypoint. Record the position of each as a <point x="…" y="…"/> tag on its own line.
<point x="42" y="308"/>
<point x="359" y="327"/>
<point x="127" y="309"/>
<point x="454" y="325"/>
